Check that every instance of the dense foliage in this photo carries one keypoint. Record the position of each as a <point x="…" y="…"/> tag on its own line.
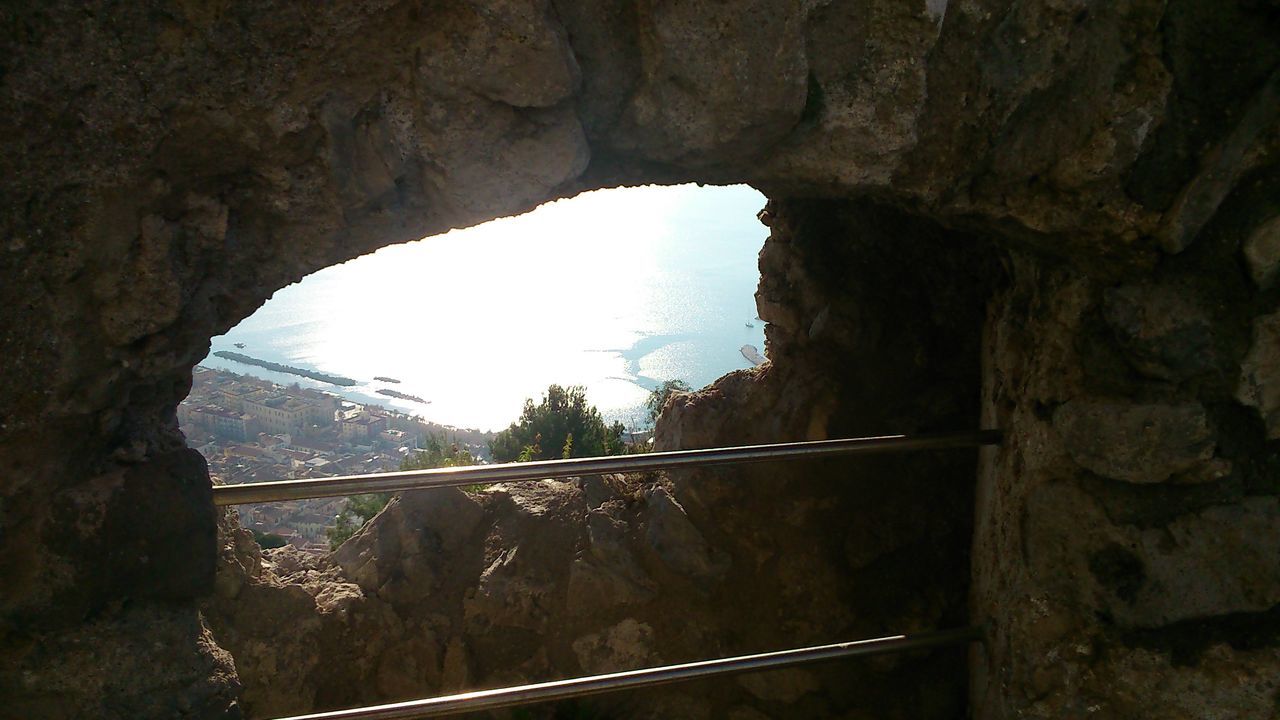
<point x="563" y="425"/>
<point x="658" y="397"/>
<point x="266" y="541"/>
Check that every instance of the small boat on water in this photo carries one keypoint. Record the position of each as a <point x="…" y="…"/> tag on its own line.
<point x="240" y="345"/>
<point x="750" y="325"/>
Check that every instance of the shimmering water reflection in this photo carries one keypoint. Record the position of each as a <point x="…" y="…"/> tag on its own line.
<point x="616" y="290"/>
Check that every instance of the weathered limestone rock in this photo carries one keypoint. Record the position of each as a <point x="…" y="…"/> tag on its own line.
<point x="1260" y="373"/>
<point x="1262" y="251"/>
<point x="299" y="630"/>
<point x="1142" y="598"/>
<point x="675" y="539"/>
<point x="1225" y="682"/>
<point x="456" y="673"/>
<point x="1153" y="577"/>
<point x="703" y="93"/>
<point x="429" y="528"/>
<point x="1135" y="443"/>
<point x="625" y="646"/>
<point x="1186" y="575"/>
<point x="608" y="574"/>
<point x="1165" y="334"/>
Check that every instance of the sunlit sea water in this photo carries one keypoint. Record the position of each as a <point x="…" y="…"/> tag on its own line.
<point x="614" y="290"/>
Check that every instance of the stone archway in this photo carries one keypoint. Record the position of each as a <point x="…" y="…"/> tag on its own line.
<point x="166" y="168"/>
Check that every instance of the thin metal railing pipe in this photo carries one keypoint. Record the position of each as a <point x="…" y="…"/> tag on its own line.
<point x="544" y="469"/>
<point x="648" y="677"/>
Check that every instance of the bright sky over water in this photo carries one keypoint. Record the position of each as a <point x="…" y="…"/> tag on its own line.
<point x="616" y="290"/>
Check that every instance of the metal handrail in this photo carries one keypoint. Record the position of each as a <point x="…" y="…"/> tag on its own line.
<point x="544" y="469"/>
<point x="648" y="677"/>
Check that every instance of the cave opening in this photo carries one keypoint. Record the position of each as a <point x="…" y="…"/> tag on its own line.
<point x="166" y="169"/>
<point x="875" y="321"/>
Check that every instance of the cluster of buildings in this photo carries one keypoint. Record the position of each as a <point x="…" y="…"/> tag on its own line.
<point x="252" y="430"/>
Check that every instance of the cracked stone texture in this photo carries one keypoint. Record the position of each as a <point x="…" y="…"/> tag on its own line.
<point x="1135" y="443"/>
<point x="1155" y="596"/>
<point x="1260" y="373"/>
<point x="168" y="166"/>
<point x="1262" y="251"/>
<point x="1165" y="333"/>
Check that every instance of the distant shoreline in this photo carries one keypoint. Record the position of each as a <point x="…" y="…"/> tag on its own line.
<point x="467" y="432"/>
<point x="289" y="369"/>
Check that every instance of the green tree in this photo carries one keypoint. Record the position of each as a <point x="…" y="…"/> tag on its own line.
<point x="436" y="454"/>
<point x="562" y="425"/>
<point x="659" y="396"/>
<point x="266" y="541"/>
<point x="361" y="507"/>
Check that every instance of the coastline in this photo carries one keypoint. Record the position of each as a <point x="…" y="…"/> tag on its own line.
<point x="355" y="398"/>
<point x="645" y="362"/>
<point x="287" y="369"/>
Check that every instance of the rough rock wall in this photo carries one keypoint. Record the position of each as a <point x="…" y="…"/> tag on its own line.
<point x="168" y="166"/>
<point x="864" y="338"/>
<point x="1127" y="552"/>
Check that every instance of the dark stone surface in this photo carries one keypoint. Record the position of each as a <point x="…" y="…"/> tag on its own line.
<point x="1135" y="443"/>
<point x="1164" y="332"/>
<point x="168" y="166"/>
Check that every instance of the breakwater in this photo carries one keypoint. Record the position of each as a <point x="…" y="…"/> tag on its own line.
<point x="402" y="396"/>
<point x="277" y="367"/>
<point x="752" y="355"/>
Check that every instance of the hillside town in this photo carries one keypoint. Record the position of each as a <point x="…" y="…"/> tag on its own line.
<point x="253" y="430"/>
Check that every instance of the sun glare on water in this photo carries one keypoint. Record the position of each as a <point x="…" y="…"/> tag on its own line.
<point x="616" y="290"/>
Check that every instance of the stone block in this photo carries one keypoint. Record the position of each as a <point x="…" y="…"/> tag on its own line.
<point x="625" y="646"/>
<point x="1262" y="252"/>
<point x="1259" y="385"/>
<point x="675" y="539"/>
<point x="1165" y="334"/>
<point x="1135" y="443"/>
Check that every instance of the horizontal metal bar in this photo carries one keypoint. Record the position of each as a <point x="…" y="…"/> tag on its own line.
<point x="593" y="685"/>
<point x="515" y="472"/>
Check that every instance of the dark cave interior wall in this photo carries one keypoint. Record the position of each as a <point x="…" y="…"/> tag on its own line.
<point x="875" y="327"/>
<point x="1125" y="550"/>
